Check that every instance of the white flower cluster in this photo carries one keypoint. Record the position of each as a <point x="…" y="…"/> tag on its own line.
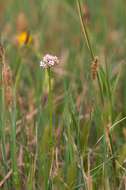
<point x="48" y="61"/>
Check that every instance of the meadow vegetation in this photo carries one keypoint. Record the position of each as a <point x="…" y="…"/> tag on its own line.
<point x="63" y="127"/>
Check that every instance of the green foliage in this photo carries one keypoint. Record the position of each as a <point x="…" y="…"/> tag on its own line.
<point x="70" y="136"/>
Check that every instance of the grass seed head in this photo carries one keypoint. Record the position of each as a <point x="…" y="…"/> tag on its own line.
<point x="94" y="68"/>
<point x="7" y="75"/>
<point x="2" y="53"/>
<point x="8" y="96"/>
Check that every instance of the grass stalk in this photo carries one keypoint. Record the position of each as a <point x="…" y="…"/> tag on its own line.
<point x="3" y="135"/>
<point x="111" y="120"/>
<point x="3" y="114"/>
<point x="13" y="115"/>
<point x="88" y="43"/>
<point x="109" y="90"/>
<point x="84" y="29"/>
<point x="86" y="36"/>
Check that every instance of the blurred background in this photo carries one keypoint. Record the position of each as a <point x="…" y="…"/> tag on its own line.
<point x="31" y="28"/>
<point x="54" y="27"/>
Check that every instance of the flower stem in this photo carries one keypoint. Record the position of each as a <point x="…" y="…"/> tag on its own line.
<point x="50" y="100"/>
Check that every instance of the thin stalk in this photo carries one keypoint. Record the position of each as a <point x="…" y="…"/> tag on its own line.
<point x="84" y="29"/>
<point x="13" y="114"/>
<point x="83" y="173"/>
<point x="86" y="36"/>
<point x="100" y="88"/>
<point x="111" y="119"/>
<point x="50" y="107"/>
<point x="88" y="43"/>
<point x="110" y="129"/>
<point x="109" y="90"/>
<point x="2" y="118"/>
<point x="50" y="100"/>
<point x="3" y="136"/>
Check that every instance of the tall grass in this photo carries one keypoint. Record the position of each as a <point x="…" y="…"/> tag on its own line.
<point x="63" y="129"/>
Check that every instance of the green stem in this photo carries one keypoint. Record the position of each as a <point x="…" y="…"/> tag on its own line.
<point x="111" y="119"/>
<point x="50" y="100"/>
<point x="13" y="143"/>
<point x="2" y="120"/>
<point x="84" y="29"/>
<point x="88" y="43"/>
<point x="109" y="90"/>
<point x="100" y="88"/>
<point x="50" y="107"/>
<point x="3" y="135"/>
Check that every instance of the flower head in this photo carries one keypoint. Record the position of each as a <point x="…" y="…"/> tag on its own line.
<point x="49" y="61"/>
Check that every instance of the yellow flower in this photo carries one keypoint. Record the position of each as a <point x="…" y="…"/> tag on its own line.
<point x="24" y="38"/>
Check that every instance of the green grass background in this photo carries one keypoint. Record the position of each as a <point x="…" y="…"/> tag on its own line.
<point x="73" y="160"/>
